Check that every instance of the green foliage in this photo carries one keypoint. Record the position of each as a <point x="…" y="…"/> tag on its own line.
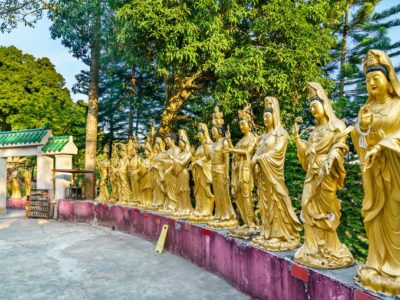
<point x="365" y="29"/>
<point x="294" y="176"/>
<point x="33" y="94"/>
<point x="240" y="50"/>
<point x="75" y="22"/>
<point x="27" y="12"/>
<point x="351" y="230"/>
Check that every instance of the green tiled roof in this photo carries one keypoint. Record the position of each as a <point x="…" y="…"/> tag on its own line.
<point x="28" y="136"/>
<point x="55" y="144"/>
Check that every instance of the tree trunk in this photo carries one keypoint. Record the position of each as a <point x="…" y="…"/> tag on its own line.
<point x="182" y="90"/>
<point x="131" y="104"/>
<point x="139" y="110"/>
<point x="344" y="46"/>
<point x="93" y="107"/>
<point x="111" y="140"/>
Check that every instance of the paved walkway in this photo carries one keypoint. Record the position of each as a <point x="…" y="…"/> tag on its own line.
<point x="42" y="259"/>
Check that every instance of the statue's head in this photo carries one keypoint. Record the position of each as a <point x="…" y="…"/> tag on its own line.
<point x="171" y="139"/>
<point x="381" y="78"/>
<point x="218" y="123"/>
<point x="316" y="103"/>
<point x="159" y="145"/>
<point x="147" y="149"/>
<point x="246" y="117"/>
<point x="202" y="133"/>
<point x="184" y="142"/>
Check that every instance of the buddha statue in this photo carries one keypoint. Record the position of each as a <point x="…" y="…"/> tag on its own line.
<point x="376" y="138"/>
<point x="322" y="157"/>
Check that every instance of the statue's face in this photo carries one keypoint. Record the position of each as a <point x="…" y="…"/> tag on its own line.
<point x="268" y="103"/>
<point x="215" y="133"/>
<point x="244" y="126"/>
<point x="377" y="83"/>
<point x="181" y="143"/>
<point x="168" y="141"/>
<point x="317" y="109"/>
<point x="268" y="120"/>
<point x="201" y="136"/>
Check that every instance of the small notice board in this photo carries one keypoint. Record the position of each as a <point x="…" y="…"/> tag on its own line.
<point x="39" y="204"/>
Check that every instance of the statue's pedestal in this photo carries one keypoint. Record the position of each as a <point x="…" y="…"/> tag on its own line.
<point x="16" y="203"/>
<point x="256" y="272"/>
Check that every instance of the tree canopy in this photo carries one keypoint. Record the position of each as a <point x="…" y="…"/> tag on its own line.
<point x="33" y="94"/>
<point x="245" y="49"/>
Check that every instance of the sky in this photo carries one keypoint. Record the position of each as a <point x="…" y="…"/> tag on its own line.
<point x="37" y="41"/>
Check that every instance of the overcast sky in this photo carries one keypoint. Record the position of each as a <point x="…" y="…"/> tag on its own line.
<point x="37" y="41"/>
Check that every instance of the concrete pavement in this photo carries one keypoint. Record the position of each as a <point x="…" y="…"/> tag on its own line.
<point x="41" y="259"/>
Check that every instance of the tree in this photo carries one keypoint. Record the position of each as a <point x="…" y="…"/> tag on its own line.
<point x="27" y="12"/>
<point x="79" y="25"/>
<point x="248" y="48"/>
<point x="360" y="31"/>
<point x="33" y="94"/>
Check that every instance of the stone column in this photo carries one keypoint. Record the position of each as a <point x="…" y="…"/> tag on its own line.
<point x="63" y="180"/>
<point x="45" y="173"/>
<point x="3" y="186"/>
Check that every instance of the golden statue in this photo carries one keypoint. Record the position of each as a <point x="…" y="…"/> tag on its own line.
<point x="114" y="175"/>
<point x="131" y="147"/>
<point x="124" y="187"/>
<point x="15" y="188"/>
<point x="181" y="161"/>
<point x="242" y="179"/>
<point x="201" y="171"/>
<point x="225" y="217"/>
<point x="104" y="168"/>
<point x="134" y="168"/>
<point x="158" y="174"/>
<point x="280" y="225"/>
<point x="28" y="179"/>
<point x="170" y="179"/>
<point x="146" y="178"/>
<point x="321" y="156"/>
<point x="377" y="142"/>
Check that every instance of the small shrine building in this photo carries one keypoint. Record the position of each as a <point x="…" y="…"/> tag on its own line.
<point x="52" y="152"/>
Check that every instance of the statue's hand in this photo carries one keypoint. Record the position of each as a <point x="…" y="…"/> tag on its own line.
<point x="295" y="129"/>
<point x="256" y="169"/>
<point x="228" y="134"/>
<point x="370" y="157"/>
<point x="365" y="117"/>
<point x="227" y="150"/>
<point x="328" y="165"/>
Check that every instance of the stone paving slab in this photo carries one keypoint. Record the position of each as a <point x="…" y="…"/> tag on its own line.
<point x="44" y="259"/>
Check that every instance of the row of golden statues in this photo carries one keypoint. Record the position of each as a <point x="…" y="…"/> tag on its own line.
<point x="160" y="180"/>
<point x="15" y="163"/>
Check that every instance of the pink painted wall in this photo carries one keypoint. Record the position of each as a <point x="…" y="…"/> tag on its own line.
<point x="258" y="273"/>
<point x="16" y="203"/>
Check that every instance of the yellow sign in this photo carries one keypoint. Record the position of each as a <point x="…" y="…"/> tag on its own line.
<point x="161" y="239"/>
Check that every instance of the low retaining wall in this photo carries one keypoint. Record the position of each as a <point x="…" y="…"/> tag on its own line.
<point x="16" y="203"/>
<point x="256" y="272"/>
